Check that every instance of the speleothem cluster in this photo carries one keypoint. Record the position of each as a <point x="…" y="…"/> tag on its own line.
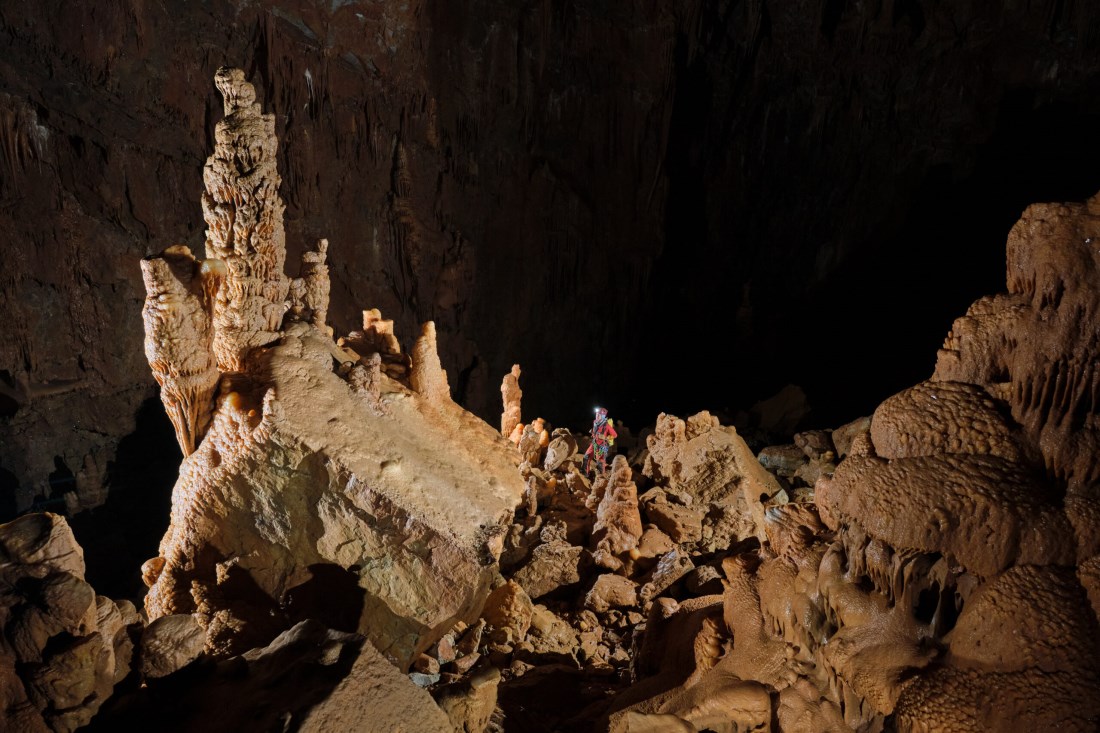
<point x="935" y="567"/>
<point x="331" y="480"/>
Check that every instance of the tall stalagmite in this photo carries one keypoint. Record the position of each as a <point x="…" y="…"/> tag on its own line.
<point x="244" y="216"/>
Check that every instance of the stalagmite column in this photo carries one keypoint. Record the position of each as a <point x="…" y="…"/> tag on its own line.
<point x="317" y="286"/>
<point x="427" y="376"/>
<point x="244" y="216"/>
<point x="178" y="341"/>
<point x="512" y="396"/>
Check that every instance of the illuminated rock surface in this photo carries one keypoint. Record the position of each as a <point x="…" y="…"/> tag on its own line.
<point x="374" y="511"/>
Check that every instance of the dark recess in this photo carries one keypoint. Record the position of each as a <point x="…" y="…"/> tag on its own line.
<point x="126" y="531"/>
<point x="880" y="317"/>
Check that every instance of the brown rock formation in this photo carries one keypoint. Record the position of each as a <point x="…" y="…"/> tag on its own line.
<point x="368" y="505"/>
<point x="62" y="647"/>
<point x="712" y="464"/>
<point x="427" y="376"/>
<point x="179" y="341"/>
<point x="244" y="219"/>
<point x="934" y="579"/>
<point x="1030" y="347"/>
<point x="512" y="396"/>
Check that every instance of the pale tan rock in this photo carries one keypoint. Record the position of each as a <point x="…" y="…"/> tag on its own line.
<point x="169" y="644"/>
<point x="509" y="609"/>
<point x="375" y="698"/>
<point x="244" y="219"/>
<point x="843" y="436"/>
<point x="402" y="497"/>
<point x="70" y="602"/>
<point x="179" y="340"/>
<point x="618" y="524"/>
<point x="654" y="543"/>
<point x="469" y="705"/>
<point x="611" y="591"/>
<point x="512" y="397"/>
<point x="366" y="380"/>
<point x="394" y="499"/>
<point x="683" y="524"/>
<point x="562" y="447"/>
<point x="43" y="541"/>
<point x="62" y="648"/>
<point x="671" y="567"/>
<point x="317" y="286"/>
<point x="553" y="565"/>
<point x="378" y="333"/>
<point x="713" y="465"/>
<point x="551" y="634"/>
<point x="427" y="377"/>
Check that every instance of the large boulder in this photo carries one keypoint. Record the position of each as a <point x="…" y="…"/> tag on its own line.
<point x="62" y="648"/>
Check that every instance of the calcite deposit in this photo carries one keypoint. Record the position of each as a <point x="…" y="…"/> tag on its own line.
<point x="179" y="339"/>
<point x="336" y="481"/>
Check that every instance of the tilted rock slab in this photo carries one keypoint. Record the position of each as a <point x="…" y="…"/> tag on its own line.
<point x="302" y="501"/>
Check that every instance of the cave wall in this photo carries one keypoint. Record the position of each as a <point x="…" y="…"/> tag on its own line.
<point x="638" y="201"/>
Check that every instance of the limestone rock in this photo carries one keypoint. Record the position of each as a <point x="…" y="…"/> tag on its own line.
<point x="671" y="567"/>
<point x="986" y="512"/>
<point x="470" y="704"/>
<point x="372" y="507"/>
<point x="712" y="464"/>
<point x="1027" y="347"/>
<point x="683" y="524"/>
<point x="509" y="609"/>
<point x="843" y="436"/>
<point x="427" y="377"/>
<point x="553" y="565"/>
<point x="618" y="524"/>
<point x="244" y="219"/>
<point x="62" y="648"/>
<point x="169" y="644"/>
<point x="179" y="339"/>
<point x="611" y="591"/>
<point x="43" y="541"/>
<point x="512" y="396"/>
<point x="562" y="447"/>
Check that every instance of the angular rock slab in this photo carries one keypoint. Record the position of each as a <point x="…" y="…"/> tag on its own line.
<point x="303" y="502"/>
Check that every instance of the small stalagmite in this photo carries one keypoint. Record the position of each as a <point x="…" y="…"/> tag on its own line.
<point x="512" y="396"/>
<point x="178" y="340"/>
<point x="427" y="376"/>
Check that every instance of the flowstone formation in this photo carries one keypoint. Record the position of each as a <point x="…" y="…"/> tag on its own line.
<point x="330" y="482"/>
